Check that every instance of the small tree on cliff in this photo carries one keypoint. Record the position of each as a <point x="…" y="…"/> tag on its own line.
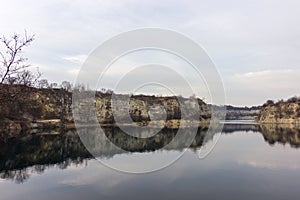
<point x="43" y="83"/>
<point x="268" y="103"/>
<point x="66" y="86"/>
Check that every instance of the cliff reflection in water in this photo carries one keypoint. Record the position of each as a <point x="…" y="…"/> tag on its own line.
<point x="34" y="154"/>
<point x="283" y="134"/>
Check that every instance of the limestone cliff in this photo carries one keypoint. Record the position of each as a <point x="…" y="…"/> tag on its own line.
<point x="281" y="112"/>
<point x="38" y="107"/>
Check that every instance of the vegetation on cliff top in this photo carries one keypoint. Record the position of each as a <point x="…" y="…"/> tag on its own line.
<point x="281" y="111"/>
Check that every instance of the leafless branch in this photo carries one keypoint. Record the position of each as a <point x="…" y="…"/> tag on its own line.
<point x="12" y="60"/>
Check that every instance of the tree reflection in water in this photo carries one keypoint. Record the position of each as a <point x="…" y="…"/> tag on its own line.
<point x="36" y="153"/>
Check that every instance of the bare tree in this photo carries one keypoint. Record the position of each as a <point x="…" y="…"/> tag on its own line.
<point x="14" y="75"/>
<point x="66" y="86"/>
<point x="43" y="83"/>
<point x="53" y="85"/>
<point x="13" y="65"/>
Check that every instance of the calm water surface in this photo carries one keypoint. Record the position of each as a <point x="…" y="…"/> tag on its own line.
<point x="249" y="162"/>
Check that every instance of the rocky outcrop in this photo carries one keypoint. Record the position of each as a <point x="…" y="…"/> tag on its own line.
<point x="143" y="109"/>
<point x="281" y="112"/>
<point x="52" y="108"/>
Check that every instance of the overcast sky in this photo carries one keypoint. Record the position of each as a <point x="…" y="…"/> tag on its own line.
<point x="254" y="44"/>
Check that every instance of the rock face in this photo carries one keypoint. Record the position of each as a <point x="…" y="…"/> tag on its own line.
<point x="141" y="107"/>
<point x="32" y="103"/>
<point x="42" y="106"/>
<point x="281" y="112"/>
<point x="20" y="107"/>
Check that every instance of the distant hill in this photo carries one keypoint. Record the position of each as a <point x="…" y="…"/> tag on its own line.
<point x="239" y="113"/>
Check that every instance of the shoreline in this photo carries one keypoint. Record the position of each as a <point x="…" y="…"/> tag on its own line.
<point x="10" y="128"/>
<point x="21" y="128"/>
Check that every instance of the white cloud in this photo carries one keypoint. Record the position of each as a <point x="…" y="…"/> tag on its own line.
<point x="78" y="59"/>
<point x="269" y="74"/>
<point x="239" y="35"/>
<point x="256" y="87"/>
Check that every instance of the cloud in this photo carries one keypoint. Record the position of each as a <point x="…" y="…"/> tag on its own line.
<point x="238" y="35"/>
<point x="77" y="59"/>
<point x="284" y="79"/>
<point x="255" y="87"/>
<point x="269" y="74"/>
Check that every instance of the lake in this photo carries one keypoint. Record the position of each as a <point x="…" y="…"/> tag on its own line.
<point x="249" y="161"/>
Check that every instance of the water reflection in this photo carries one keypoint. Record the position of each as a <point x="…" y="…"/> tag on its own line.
<point x="40" y="151"/>
<point x="284" y="134"/>
<point x="34" y="154"/>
